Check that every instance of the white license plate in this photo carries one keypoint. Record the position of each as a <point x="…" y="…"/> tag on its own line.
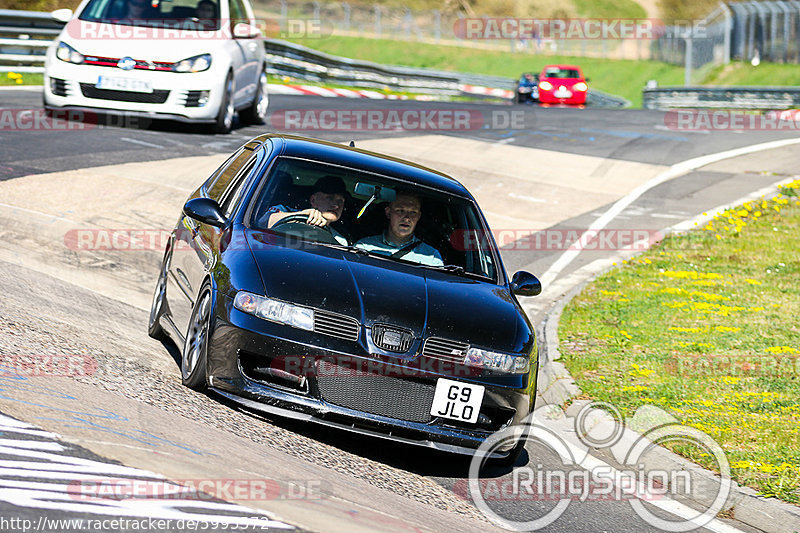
<point x="457" y="401"/>
<point x="562" y="93"/>
<point x="123" y="84"/>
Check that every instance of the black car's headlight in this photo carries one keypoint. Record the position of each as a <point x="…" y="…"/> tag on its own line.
<point x="66" y="53"/>
<point x="193" y="64"/>
<point x="274" y="310"/>
<point x="502" y="362"/>
<point x="525" y="89"/>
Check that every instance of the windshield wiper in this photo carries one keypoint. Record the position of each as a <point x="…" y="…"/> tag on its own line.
<point x="347" y="248"/>
<point x="457" y="270"/>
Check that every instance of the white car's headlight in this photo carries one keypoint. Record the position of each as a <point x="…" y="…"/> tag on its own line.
<point x="194" y="64"/>
<point x="502" y="362"/>
<point x="274" y="310"/>
<point x="66" y="53"/>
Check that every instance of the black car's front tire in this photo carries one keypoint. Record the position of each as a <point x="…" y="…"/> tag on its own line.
<point x="195" y="347"/>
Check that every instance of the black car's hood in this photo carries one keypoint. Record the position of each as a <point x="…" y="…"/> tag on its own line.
<point x="371" y="289"/>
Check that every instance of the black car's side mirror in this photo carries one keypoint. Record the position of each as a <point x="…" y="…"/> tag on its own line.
<point x="525" y="284"/>
<point x="205" y="210"/>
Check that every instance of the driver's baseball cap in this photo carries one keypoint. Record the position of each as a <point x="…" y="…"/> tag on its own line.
<point x="330" y="185"/>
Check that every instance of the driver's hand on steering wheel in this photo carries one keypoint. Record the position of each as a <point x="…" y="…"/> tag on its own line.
<point x="315" y="217"/>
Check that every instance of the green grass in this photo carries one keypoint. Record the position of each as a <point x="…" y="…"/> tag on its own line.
<point x="14" y="78"/>
<point x="740" y="73"/>
<point x="704" y="326"/>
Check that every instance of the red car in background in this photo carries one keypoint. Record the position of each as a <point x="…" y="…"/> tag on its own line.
<point x="562" y="84"/>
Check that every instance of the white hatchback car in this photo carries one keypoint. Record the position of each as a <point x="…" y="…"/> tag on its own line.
<point x="188" y="60"/>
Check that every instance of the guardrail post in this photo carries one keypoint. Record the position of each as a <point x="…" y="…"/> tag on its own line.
<point x="284" y="15"/>
<point x="346" y="8"/>
<point x="687" y="76"/>
<point x="437" y="25"/>
<point x="316" y="11"/>
<point x="378" y="20"/>
<point x="726" y="38"/>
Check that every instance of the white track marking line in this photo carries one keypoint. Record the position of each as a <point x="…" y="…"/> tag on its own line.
<point x="674" y="171"/>
<point x="142" y="143"/>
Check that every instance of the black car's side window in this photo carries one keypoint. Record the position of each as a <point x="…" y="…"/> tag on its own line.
<point x="222" y="181"/>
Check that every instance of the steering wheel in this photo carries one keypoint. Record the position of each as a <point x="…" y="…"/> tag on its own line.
<point x="297" y="225"/>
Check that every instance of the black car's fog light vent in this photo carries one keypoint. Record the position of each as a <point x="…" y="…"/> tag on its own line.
<point x="377" y="394"/>
<point x="444" y="349"/>
<point x="335" y="325"/>
<point x="391" y="338"/>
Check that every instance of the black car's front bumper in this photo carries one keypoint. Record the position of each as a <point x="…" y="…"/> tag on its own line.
<point x="232" y="373"/>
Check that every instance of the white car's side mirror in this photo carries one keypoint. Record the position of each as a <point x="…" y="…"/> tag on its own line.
<point x="61" y="15"/>
<point x="243" y="30"/>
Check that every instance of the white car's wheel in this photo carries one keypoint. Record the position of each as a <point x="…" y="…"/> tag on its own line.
<point x="226" y="111"/>
<point x="257" y="112"/>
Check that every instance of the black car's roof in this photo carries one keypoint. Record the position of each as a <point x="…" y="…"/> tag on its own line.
<point x="338" y="154"/>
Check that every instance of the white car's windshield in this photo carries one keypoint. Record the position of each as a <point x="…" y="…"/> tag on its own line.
<point x="200" y="15"/>
<point x="374" y="214"/>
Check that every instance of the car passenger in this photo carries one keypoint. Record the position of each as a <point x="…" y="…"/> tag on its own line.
<point x="206" y="12"/>
<point x="327" y="203"/>
<point x="138" y="10"/>
<point x="399" y="241"/>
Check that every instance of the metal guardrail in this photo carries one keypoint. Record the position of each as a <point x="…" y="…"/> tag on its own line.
<point x="25" y="35"/>
<point x="722" y="97"/>
<point x="24" y="38"/>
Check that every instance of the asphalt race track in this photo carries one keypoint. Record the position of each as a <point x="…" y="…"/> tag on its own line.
<point x="119" y="411"/>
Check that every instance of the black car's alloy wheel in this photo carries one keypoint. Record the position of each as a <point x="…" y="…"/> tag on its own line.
<point x="193" y="358"/>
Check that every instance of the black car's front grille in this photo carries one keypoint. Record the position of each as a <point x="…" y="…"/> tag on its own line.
<point x="372" y="393"/>
<point x="59" y="87"/>
<point x="392" y="338"/>
<point x="445" y="350"/>
<point x="335" y="325"/>
<point x="155" y="97"/>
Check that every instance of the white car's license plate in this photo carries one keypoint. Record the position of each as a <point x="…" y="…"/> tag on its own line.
<point x="457" y="400"/>
<point x="123" y="84"/>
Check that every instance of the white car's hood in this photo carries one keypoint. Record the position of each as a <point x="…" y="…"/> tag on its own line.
<point x="142" y="43"/>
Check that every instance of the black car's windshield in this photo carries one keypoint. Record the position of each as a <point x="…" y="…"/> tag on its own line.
<point x="182" y="14"/>
<point x="374" y="214"/>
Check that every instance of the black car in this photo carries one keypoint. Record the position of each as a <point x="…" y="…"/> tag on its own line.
<point x="527" y="88"/>
<point x="295" y="321"/>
